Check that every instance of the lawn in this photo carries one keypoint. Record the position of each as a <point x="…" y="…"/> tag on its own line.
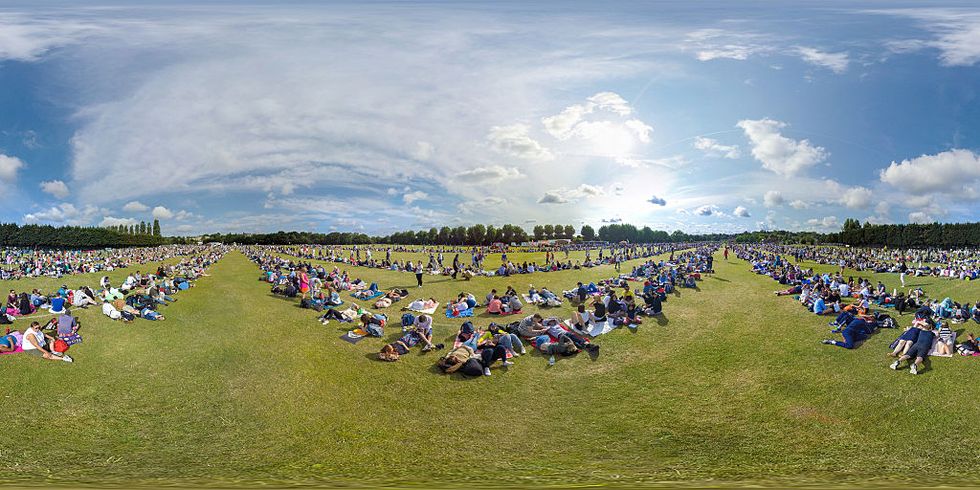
<point x="241" y="388"/>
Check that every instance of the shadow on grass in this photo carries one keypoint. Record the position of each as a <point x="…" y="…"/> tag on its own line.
<point x="722" y="279"/>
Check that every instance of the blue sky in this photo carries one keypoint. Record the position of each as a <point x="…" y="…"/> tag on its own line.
<point x="377" y="117"/>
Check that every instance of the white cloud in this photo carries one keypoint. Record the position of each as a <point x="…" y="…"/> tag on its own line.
<point x="827" y="222"/>
<point x="8" y="167"/>
<point x="741" y="212"/>
<point x="56" y="188"/>
<point x="552" y="197"/>
<point x="772" y="199"/>
<point x="672" y="162"/>
<point x="714" y="148"/>
<point x="515" y="141"/>
<point x="600" y="126"/>
<point x="956" y="34"/>
<point x="112" y="221"/>
<point x="835" y="62"/>
<point x="706" y="210"/>
<point x="857" y="197"/>
<point x="659" y="201"/>
<point x="135" y="207"/>
<point x="495" y="173"/>
<point x="950" y="171"/>
<point x="920" y="217"/>
<point x="411" y="197"/>
<point x="799" y="204"/>
<point x="161" y="212"/>
<point x="65" y="213"/>
<point x="779" y="154"/>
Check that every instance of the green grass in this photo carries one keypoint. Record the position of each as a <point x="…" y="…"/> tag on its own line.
<point x="241" y="388"/>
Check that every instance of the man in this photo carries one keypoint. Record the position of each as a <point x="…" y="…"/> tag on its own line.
<point x="37" y="343"/>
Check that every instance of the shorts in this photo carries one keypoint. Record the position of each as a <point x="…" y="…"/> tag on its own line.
<point x="911" y="334"/>
<point x="919" y="349"/>
<point x="8" y="341"/>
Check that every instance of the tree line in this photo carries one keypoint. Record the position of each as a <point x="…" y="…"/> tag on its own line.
<point x="73" y="237"/>
<point x="143" y="228"/>
<point x="939" y="235"/>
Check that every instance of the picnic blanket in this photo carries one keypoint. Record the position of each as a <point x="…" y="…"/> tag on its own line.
<point x="19" y="340"/>
<point x="428" y="311"/>
<point x="365" y="298"/>
<point x="461" y="314"/>
<point x="599" y="328"/>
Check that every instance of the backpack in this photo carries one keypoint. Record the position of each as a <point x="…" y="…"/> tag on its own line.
<point x="408" y="320"/>
<point x="304" y="303"/>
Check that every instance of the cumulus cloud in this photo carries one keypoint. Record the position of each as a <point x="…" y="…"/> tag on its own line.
<point x="857" y="197"/>
<point x="8" y="167"/>
<point x="714" y="148"/>
<point x="603" y="124"/>
<point x="64" y="213"/>
<point x="135" y="207"/>
<point x="835" y="62"/>
<point x="799" y="204"/>
<point x="827" y="222"/>
<point x="772" y="199"/>
<point x="741" y="212"/>
<point x="411" y="197"/>
<point x="56" y="188"/>
<point x="514" y="140"/>
<point x="920" y="217"/>
<point x="706" y="210"/>
<point x="495" y="172"/>
<point x="113" y="221"/>
<point x="161" y="212"/>
<point x="552" y="197"/>
<point x="659" y="201"/>
<point x="779" y="154"/>
<point x="952" y="170"/>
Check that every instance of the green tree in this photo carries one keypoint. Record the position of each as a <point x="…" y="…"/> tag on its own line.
<point x="588" y="233"/>
<point x="156" y="227"/>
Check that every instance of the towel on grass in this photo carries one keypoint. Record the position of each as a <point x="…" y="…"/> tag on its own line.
<point x="365" y="298"/>
<point x="462" y="314"/>
<point x="428" y="311"/>
<point x="354" y="336"/>
<point x="19" y="340"/>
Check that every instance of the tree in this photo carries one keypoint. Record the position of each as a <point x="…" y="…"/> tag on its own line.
<point x="569" y="231"/>
<point x="156" y="227"/>
<point x="538" y="232"/>
<point x="549" y="231"/>
<point x="475" y="234"/>
<point x="588" y="233"/>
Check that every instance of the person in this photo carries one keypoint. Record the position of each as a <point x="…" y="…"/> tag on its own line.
<point x="372" y="325"/>
<point x="495" y="306"/>
<point x="919" y="350"/>
<point x="67" y="324"/>
<point x="563" y="346"/>
<point x="37" y="343"/>
<point x="582" y="319"/>
<point x="420" y="334"/>
<point x="465" y="360"/>
<point x="8" y="342"/>
<point x="531" y="327"/>
<point x="418" y="274"/>
<point x="304" y="283"/>
<point x="856" y="330"/>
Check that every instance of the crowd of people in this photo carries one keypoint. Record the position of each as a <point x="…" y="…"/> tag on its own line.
<point x="962" y="264"/>
<point x="598" y="307"/>
<point x="20" y="263"/>
<point x="139" y="295"/>
<point x="860" y="307"/>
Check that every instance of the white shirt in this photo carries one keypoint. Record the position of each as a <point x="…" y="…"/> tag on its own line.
<point x="38" y="335"/>
<point x="110" y="311"/>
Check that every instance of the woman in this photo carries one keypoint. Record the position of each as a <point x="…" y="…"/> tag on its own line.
<point x="418" y="273"/>
<point x="304" y="283"/>
<point x="8" y="343"/>
<point x="582" y="319"/>
<point x="37" y="343"/>
<point x="420" y="334"/>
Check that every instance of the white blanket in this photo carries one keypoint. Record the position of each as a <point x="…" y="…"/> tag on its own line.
<point x="597" y="329"/>
<point x="428" y="311"/>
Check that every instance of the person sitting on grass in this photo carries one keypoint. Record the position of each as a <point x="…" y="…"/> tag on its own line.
<point x="531" y="327"/>
<point x="373" y="325"/>
<point x="495" y="306"/>
<point x="582" y="319"/>
<point x="420" y="334"/>
<point x="67" y="324"/>
<point x="38" y="343"/>
<point x="652" y="303"/>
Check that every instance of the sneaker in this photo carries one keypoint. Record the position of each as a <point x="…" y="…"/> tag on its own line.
<point x="551" y="361"/>
<point x="67" y="358"/>
<point x="827" y="341"/>
<point x="523" y="352"/>
<point x="486" y="371"/>
<point x="914" y="368"/>
<point x="894" y="365"/>
<point x="508" y="363"/>
<point x="440" y="346"/>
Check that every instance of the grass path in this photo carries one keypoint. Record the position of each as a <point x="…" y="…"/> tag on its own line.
<point x="238" y="387"/>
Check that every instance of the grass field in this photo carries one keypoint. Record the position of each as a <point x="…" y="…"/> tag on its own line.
<point x="241" y="388"/>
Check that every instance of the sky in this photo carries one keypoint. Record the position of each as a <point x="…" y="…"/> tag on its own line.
<point x="385" y="116"/>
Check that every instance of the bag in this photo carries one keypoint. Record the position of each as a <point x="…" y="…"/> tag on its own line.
<point x="127" y="316"/>
<point x="408" y="320"/>
<point x="304" y="303"/>
<point x="60" y="346"/>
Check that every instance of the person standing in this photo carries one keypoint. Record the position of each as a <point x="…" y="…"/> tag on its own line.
<point x="418" y="273"/>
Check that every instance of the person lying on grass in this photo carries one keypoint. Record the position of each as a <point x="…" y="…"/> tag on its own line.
<point x="919" y="349"/>
<point x="495" y="335"/>
<point x="466" y="361"/>
<point x="531" y="327"/>
<point x="38" y="343"/>
<point x="855" y="331"/>
<point x="421" y="333"/>
<point x="8" y="343"/>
